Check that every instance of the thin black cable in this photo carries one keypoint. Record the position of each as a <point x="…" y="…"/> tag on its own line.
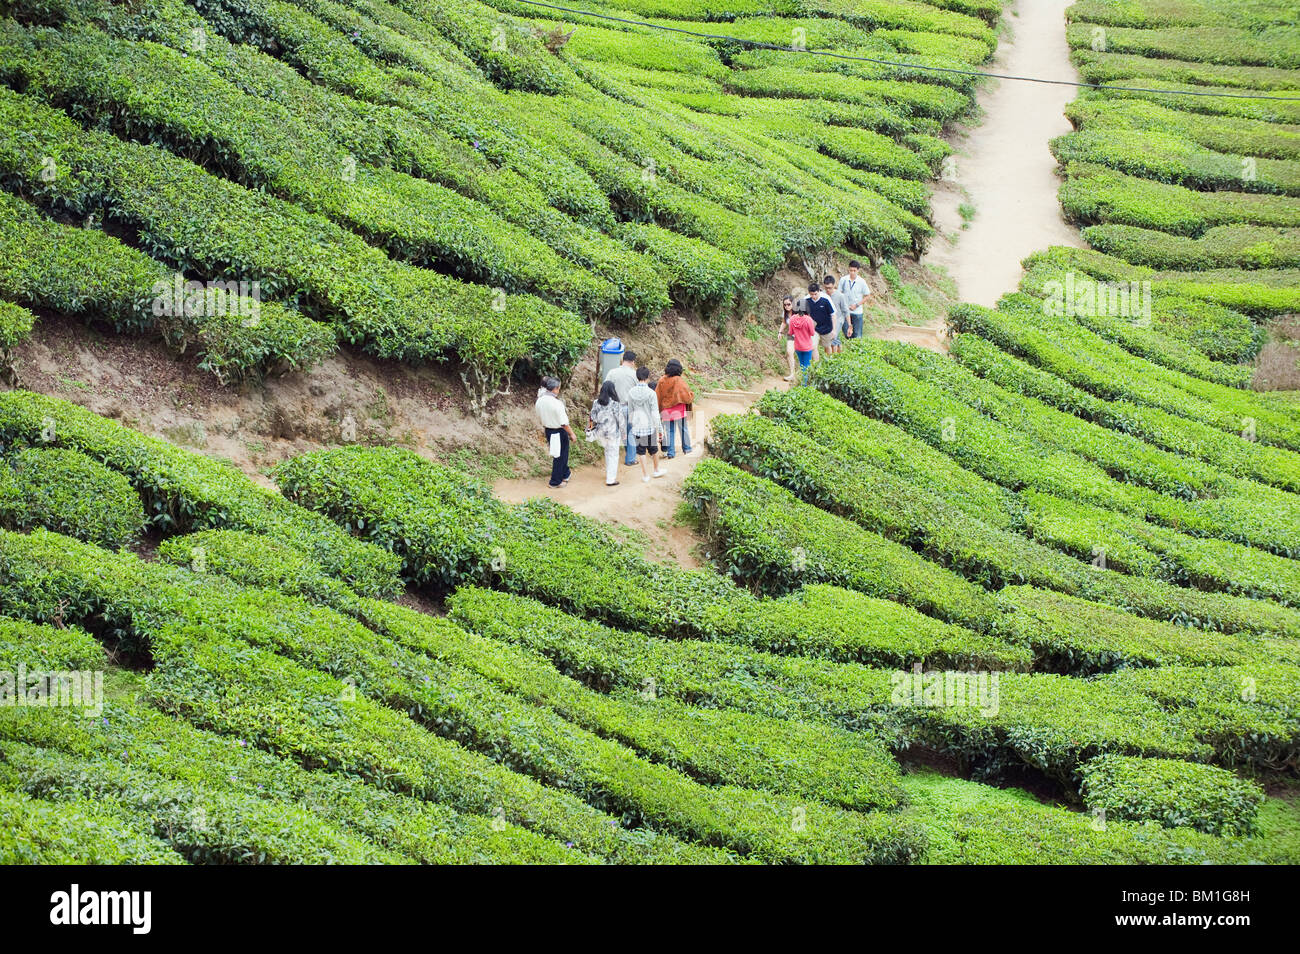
<point x="760" y="45"/>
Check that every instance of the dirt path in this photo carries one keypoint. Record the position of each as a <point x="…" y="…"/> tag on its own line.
<point x="1003" y="166"/>
<point x="932" y="335"/>
<point x="648" y="508"/>
<point x="1004" y="169"/>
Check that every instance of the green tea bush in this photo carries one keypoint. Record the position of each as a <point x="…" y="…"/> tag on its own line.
<point x="75" y="832"/>
<point x="1247" y="513"/>
<point x="202" y="825"/>
<point x="168" y="753"/>
<point x="47" y="647"/>
<point x="205" y="223"/>
<point x="889" y="505"/>
<point x="448" y="531"/>
<point x="1165" y="157"/>
<point x="848" y="771"/>
<point x="692" y="671"/>
<point x="1081" y="637"/>
<point x="1123" y="69"/>
<point x="1144" y="549"/>
<point x="1240" y="136"/>
<point x="994" y="557"/>
<point x="181" y="103"/>
<point x="1080" y="357"/>
<point x="1175" y="794"/>
<point x="912" y="99"/>
<point x="697" y="273"/>
<point x="1149" y="14"/>
<point x="15" y="325"/>
<point x="90" y="275"/>
<point x="182" y="490"/>
<point x="452" y="154"/>
<point x="969" y="823"/>
<point x="923" y="17"/>
<point x="1227" y="452"/>
<point x="70" y="493"/>
<point x="991" y="450"/>
<point x="858" y="437"/>
<point x="1226" y="246"/>
<point x="1094" y="194"/>
<point x="1219" y="95"/>
<point x="1042" y="721"/>
<point x="1273" y="46"/>
<point x="765" y="536"/>
<point x="1249" y="714"/>
<point x="467" y="707"/>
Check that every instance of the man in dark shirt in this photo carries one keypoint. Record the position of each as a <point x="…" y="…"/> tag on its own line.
<point x="822" y="313"/>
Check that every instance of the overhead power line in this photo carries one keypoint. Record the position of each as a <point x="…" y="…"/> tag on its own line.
<point x="760" y="45"/>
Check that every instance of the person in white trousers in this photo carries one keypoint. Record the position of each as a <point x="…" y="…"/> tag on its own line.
<point x="608" y="418"/>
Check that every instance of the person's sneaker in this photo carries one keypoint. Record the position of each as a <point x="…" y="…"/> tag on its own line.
<point x="611" y="483"/>
<point x="669" y="456"/>
<point x="645" y="480"/>
<point x="689" y="451"/>
<point x="660" y="473"/>
<point x="788" y="377"/>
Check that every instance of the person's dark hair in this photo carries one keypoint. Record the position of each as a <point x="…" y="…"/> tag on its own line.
<point x="673" y="368"/>
<point x="629" y="357"/>
<point x="607" y="393"/>
<point x="788" y="298"/>
<point x="643" y="373"/>
<point x="854" y="263"/>
<point x="550" y="383"/>
<point x="813" y="286"/>
<point x="828" y="280"/>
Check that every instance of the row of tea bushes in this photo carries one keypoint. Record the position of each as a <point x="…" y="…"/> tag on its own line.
<point x="521" y="734"/>
<point x="183" y="491"/>
<point x="87" y="274"/>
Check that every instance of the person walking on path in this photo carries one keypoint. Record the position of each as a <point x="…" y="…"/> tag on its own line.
<point x="624" y="380"/>
<point x="856" y="290"/>
<point x="822" y="312"/>
<point x="645" y="424"/>
<point x="804" y="335"/>
<point x="609" y="428"/>
<point x="675" y="400"/>
<point x="843" y="326"/>
<point x="555" y="429"/>
<point x="783" y="333"/>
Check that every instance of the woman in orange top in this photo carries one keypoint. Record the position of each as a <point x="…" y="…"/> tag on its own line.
<point x="675" y="400"/>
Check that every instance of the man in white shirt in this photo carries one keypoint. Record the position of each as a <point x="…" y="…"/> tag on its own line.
<point x="624" y="378"/>
<point x="856" y="290"/>
<point x="555" y="429"/>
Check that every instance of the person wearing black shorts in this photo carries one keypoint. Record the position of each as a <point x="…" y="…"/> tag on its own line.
<point x="645" y="424"/>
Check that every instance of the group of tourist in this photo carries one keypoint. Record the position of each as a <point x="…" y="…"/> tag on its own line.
<point x="632" y="417"/>
<point x="828" y="315"/>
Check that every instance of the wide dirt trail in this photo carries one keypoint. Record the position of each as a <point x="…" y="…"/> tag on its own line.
<point x="1004" y="167"/>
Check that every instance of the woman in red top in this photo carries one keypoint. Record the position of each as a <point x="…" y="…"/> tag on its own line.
<point x="804" y="332"/>
<point x="675" y="400"/>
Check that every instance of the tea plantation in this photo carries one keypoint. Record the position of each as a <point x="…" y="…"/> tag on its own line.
<point x="1033" y="602"/>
